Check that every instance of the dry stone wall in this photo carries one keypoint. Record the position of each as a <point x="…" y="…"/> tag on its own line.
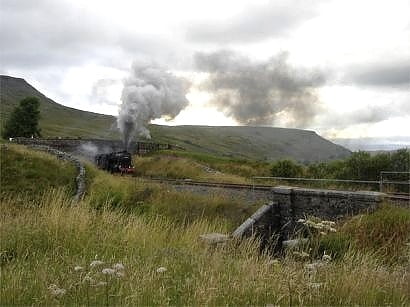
<point x="80" y="179"/>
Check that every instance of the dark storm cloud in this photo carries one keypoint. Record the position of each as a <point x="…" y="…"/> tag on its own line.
<point x="254" y="24"/>
<point x="255" y="93"/>
<point x="46" y="33"/>
<point x="392" y="74"/>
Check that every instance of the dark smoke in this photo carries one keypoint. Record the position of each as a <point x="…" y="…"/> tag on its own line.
<point x="256" y="93"/>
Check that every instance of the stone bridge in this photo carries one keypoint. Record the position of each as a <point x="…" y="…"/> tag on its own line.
<point x="90" y="147"/>
<point x="278" y="219"/>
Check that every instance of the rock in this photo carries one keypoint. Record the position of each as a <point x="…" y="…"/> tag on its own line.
<point x="294" y="243"/>
<point x="214" y="238"/>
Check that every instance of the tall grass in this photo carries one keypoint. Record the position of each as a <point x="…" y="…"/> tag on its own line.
<point x="133" y="195"/>
<point x="385" y="232"/>
<point x="42" y="246"/>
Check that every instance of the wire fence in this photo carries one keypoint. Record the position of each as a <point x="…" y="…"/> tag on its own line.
<point x="383" y="184"/>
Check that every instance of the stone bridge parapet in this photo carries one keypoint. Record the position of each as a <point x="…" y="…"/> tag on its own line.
<point x="278" y="219"/>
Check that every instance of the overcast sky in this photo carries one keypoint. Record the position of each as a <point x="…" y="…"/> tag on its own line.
<point x="341" y="68"/>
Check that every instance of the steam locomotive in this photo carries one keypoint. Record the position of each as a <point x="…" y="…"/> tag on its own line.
<point x="115" y="162"/>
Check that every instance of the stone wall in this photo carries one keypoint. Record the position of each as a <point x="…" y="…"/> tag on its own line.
<point x="80" y="180"/>
<point x="278" y="220"/>
<point x="296" y="203"/>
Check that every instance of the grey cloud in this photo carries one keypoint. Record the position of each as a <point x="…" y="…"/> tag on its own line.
<point x="99" y="91"/>
<point x="367" y="115"/>
<point x="255" y="93"/>
<point x="46" y="33"/>
<point x="390" y="74"/>
<point x="255" y="24"/>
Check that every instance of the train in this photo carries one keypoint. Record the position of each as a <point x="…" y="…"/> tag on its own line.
<point x="115" y="162"/>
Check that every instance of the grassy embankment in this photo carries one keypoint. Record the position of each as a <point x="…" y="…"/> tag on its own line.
<point x="199" y="166"/>
<point x="47" y="248"/>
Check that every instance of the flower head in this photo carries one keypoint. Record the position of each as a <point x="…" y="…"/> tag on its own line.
<point x="78" y="268"/>
<point x="108" y="271"/>
<point x="326" y="257"/>
<point x="118" y="267"/>
<point x="56" y="291"/>
<point x="119" y="274"/>
<point x="96" y="263"/>
<point x="161" y="269"/>
<point x="315" y="285"/>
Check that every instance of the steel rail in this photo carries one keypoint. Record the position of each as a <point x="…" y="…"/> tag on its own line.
<point x="241" y="186"/>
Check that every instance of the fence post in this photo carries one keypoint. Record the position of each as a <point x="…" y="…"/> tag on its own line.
<point x="381" y="182"/>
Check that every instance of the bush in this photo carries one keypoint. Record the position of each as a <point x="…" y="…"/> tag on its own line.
<point x="287" y="168"/>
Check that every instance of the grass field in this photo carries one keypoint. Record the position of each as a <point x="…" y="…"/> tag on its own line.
<point x="133" y="243"/>
<point x="198" y="166"/>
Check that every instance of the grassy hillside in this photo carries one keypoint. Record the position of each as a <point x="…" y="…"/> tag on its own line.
<point x="56" y="119"/>
<point x="98" y="253"/>
<point x="262" y="143"/>
<point x="29" y="173"/>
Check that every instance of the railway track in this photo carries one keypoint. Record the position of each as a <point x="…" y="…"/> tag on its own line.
<point x="242" y="186"/>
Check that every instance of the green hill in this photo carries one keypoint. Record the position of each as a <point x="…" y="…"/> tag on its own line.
<point x="263" y="143"/>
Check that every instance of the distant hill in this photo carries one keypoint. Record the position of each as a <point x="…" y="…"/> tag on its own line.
<point x="265" y="143"/>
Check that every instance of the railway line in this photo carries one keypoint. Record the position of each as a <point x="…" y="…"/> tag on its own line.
<point x="252" y="187"/>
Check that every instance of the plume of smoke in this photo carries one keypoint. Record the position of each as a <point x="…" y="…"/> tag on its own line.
<point x="256" y="93"/>
<point x="149" y="92"/>
<point x="89" y="150"/>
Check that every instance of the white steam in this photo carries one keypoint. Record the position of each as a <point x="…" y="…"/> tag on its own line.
<point x="150" y="92"/>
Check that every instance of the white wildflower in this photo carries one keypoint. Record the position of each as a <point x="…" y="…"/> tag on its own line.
<point x="301" y="220"/>
<point x="119" y="274"/>
<point x="96" y="263"/>
<point x="161" y="270"/>
<point x="56" y="291"/>
<point x="118" y="267"/>
<point x="326" y="257"/>
<point x="78" y="268"/>
<point x="323" y="233"/>
<point x="332" y="229"/>
<point x="315" y="285"/>
<point x="108" y="271"/>
<point x="328" y="223"/>
<point x="318" y="226"/>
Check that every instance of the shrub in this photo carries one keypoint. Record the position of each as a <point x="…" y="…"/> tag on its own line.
<point x="23" y="121"/>
<point x="287" y="168"/>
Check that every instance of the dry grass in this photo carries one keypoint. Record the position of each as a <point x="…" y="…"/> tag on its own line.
<point x="146" y="227"/>
<point x="41" y="246"/>
<point x="168" y="166"/>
